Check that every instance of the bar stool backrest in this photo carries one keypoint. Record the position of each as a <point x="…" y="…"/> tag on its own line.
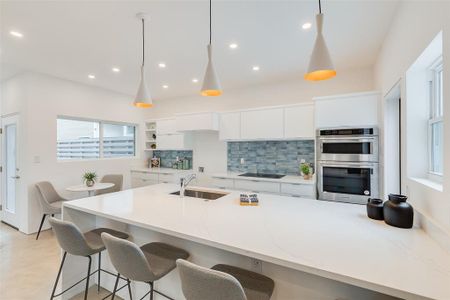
<point x="48" y="195"/>
<point x="70" y="237"/>
<point x="128" y="259"/>
<point x="117" y="179"/>
<point x="202" y="283"/>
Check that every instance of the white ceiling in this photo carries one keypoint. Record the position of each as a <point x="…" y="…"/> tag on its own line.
<point x="71" y="39"/>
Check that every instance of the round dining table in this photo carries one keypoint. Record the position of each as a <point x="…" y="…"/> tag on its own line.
<point x="90" y="189"/>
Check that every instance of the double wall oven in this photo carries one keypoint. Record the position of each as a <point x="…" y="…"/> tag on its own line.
<point x="347" y="164"/>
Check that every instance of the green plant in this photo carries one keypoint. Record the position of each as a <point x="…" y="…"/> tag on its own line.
<point x="305" y="168"/>
<point x="89" y="176"/>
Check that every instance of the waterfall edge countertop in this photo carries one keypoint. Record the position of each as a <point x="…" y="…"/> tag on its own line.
<point x="328" y="239"/>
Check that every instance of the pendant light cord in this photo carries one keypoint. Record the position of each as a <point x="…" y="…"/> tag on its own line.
<point x="210" y="22"/>
<point x="143" y="43"/>
<point x="320" y="7"/>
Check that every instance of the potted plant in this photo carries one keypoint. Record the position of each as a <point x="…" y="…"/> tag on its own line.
<point x="89" y="178"/>
<point x="305" y="169"/>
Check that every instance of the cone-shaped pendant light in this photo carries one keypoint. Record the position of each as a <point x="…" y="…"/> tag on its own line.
<point x="143" y="98"/>
<point x="211" y="84"/>
<point x="320" y="65"/>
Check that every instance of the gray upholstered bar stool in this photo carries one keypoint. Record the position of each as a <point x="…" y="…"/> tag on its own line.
<point x="49" y="200"/>
<point x="223" y="282"/>
<point x="74" y="242"/>
<point x="117" y="179"/>
<point x="147" y="263"/>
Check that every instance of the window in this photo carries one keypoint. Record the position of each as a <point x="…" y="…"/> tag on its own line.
<point x="87" y="139"/>
<point x="435" y="122"/>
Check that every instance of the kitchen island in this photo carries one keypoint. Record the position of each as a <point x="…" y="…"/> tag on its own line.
<point x="312" y="249"/>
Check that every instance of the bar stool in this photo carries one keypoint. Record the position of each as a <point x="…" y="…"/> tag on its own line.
<point x="223" y="282"/>
<point x="74" y="242"/>
<point x="147" y="263"/>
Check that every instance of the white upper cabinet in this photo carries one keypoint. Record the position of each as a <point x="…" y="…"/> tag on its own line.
<point x="299" y="122"/>
<point x="174" y="142"/>
<point x="360" y="109"/>
<point x="262" y="124"/>
<point x="166" y="126"/>
<point x="197" y="122"/>
<point x="230" y="126"/>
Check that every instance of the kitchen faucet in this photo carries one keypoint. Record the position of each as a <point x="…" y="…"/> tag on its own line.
<point x="184" y="181"/>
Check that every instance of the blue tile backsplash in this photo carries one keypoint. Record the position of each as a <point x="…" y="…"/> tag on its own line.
<point x="281" y="157"/>
<point x="168" y="157"/>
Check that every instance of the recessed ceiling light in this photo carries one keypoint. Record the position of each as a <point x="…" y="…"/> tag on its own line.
<point x="165" y="86"/>
<point x="116" y="70"/>
<point x="306" y="26"/>
<point x="162" y="65"/>
<point x="233" y="46"/>
<point x="16" y="34"/>
<point x="91" y="76"/>
<point x="194" y="80"/>
<point x="255" y="68"/>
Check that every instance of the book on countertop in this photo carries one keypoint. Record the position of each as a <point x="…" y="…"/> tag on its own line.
<point x="248" y="200"/>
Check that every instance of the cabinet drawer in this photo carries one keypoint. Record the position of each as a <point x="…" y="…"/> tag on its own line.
<point x="257" y="186"/>
<point x="166" y="178"/>
<point x="223" y="183"/>
<point x="303" y="190"/>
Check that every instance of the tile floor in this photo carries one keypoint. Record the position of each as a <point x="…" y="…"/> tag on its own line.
<point x="28" y="267"/>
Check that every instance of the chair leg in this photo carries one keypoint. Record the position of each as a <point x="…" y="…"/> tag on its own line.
<point x="87" y="278"/>
<point x="115" y="286"/>
<point x="151" y="290"/>
<point x="40" y="226"/>
<point x="59" y="274"/>
<point x="98" y="271"/>
<point x="129" y="288"/>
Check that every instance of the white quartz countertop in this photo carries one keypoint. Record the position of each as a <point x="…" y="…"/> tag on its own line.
<point x="162" y="170"/>
<point x="332" y="240"/>
<point x="285" y="179"/>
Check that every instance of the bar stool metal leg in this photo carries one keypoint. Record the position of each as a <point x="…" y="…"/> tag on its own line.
<point x="129" y="288"/>
<point x="99" y="267"/>
<point x="151" y="290"/>
<point x="40" y="226"/>
<point x="87" y="279"/>
<point x="59" y="274"/>
<point x="115" y="286"/>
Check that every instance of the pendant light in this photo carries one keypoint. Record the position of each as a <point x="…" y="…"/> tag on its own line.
<point x="211" y="85"/>
<point x="320" y="65"/>
<point x="143" y="98"/>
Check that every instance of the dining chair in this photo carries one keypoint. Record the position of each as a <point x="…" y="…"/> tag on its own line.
<point x="117" y="179"/>
<point x="49" y="200"/>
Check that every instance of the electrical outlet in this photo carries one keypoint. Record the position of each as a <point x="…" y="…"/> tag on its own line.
<point x="201" y="169"/>
<point x="242" y="161"/>
<point x="256" y="265"/>
<point x="302" y="161"/>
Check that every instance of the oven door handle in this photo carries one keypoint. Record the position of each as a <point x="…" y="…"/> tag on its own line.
<point x="347" y="165"/>
<point x="347" y="139"/>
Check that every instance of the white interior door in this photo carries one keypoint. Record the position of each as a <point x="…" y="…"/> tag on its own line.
<point x="10" y="174"/>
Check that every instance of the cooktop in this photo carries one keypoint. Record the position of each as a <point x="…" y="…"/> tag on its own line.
<point x="262" y="175"/>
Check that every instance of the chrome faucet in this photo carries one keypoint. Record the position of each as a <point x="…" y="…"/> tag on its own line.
<point x="184" y="181"/>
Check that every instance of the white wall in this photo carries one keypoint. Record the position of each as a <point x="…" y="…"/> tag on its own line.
<point x="46" y="98"/>
<point x="412" y="30"/>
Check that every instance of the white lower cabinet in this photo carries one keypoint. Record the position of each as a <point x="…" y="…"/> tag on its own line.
<point x="257" y="186"/>
<point x="140" y="179"/>
<point x="298" y="190"/>
<point x="223" y="183"/>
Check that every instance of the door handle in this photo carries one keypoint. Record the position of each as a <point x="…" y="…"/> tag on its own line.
<point x="15" y="177"/>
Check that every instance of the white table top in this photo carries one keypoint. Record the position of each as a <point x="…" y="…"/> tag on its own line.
<point x="96" y="187"/>
<point x="332" y="240"/>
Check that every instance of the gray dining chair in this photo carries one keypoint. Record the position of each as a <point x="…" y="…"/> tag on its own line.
<point x="117" y="179"/>
<point x="223" y="282"/>
<point x="147" y="263"/>
<point x="77" y="243"/>
<point x="49" y="200"/>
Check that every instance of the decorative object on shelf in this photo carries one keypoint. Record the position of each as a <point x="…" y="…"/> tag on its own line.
<point x="248" y="200"/>
<point x="154" y="136"/>
<point x="89" y="178"/>
<point x="211" y="84"/>
<point x="375" y="209"/>
<point x="153" y="146"/>
<point x="306" y="171"/>
<point x="397" y="212"/>
<point x="320" y="65"/>
<point x="143" y="98"/>
<point x="155" y="162"/>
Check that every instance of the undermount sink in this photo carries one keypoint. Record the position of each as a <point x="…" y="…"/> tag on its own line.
<point x="201" y="194"/>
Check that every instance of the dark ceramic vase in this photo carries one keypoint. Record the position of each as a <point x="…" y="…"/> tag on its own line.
<point x="375" y="209"/>
<point x="397" y="212"/>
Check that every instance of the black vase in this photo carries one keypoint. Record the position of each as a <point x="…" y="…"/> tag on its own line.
<point x="397" y="212"/>
<point x="375" y="209"/>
